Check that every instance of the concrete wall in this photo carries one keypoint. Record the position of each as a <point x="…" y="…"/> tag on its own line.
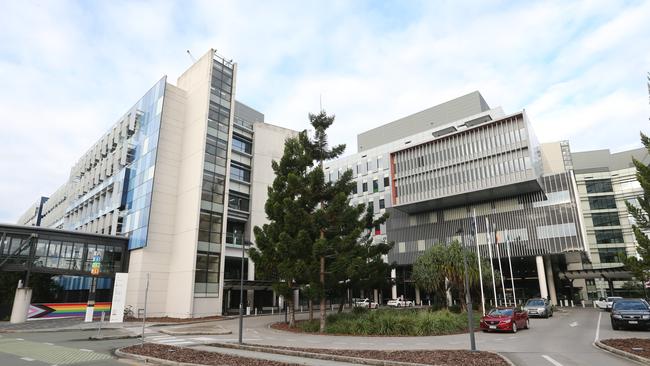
<point x="450" y="111"/>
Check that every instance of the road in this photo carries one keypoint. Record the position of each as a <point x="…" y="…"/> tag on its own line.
<point x="564" y="340"/>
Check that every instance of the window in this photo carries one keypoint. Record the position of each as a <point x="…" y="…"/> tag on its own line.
<point x="240" y="173"/>
<point x="610" y="255"/>
<point x="602" y="202"/>
<point x="609" y="236"/>
<point x="238" y="202"/>
<point x="599" y="185"/>
<point x="206" y="276"/>
<point x="382" y="204"/>
<point x="605" y="219"/>
<point x="364" y="186"/>
<point x="386" y="182"/>
<point x="377" y="230"/>
<point x="241" y="145"/>
<point x="354" y="188"/>
<point x="375" y="185"/>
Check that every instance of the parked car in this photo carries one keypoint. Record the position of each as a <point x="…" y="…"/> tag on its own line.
<point x="366" y="303"/>
<point x="505" y="319"/>
<point x="630" y="313"/>
<point x="398" y="303"/>
<point x="606" y="304"/>
<point x="539" y="307"/>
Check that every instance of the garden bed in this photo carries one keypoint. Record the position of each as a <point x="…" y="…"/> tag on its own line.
<point x="635" y="346"/>
<point x="180" y="354"/>
<point x="386" y="322"/>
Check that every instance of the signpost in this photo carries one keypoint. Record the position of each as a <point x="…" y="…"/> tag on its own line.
<point x="94" y="272"/>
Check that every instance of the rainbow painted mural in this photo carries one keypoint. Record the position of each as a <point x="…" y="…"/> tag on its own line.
<point x="65" y="310"/>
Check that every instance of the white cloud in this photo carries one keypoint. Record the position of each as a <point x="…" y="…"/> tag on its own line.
<point x="69" y="69"/>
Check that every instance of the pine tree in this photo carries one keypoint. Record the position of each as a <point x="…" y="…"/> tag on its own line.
<point x="282" y="243"/>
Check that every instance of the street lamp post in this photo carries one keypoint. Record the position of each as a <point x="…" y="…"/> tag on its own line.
<point x="468" y="296"/>
<point x="241" y="288"/>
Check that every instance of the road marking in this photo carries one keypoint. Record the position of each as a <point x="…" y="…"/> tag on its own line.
<point x="598" y="327"/>
<point x="549" y="359"/>
<point x="49" y="344"/>
<point x="574" y="324"/>
<point x="27" y="359"/>
<point x="85" y="350"/>
<point x="19" y="339"/>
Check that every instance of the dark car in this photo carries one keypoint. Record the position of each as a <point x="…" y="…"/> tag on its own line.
<point x="505" y="319"/>
<point x="630" y="313"/>
<point x="539" y="307"/>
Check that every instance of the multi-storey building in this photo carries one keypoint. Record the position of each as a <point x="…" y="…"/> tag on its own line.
<point x="183" y="174"/>
<point x="33" y="215"/>
<point x="459" y="165"/>
<point x="605" y="182"/>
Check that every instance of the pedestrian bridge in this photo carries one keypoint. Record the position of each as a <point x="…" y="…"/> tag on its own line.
<point x="34" y="249"/>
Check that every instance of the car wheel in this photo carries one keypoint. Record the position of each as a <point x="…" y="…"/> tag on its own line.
<point x="514" y="327"/>
<point x="398" y="305"/>
<point x="527" y="324"/>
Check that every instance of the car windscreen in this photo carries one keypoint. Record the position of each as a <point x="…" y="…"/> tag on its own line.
<point x="500" y="312"/>
<point x="630" y="305"/>
<point x="535" y="303"/>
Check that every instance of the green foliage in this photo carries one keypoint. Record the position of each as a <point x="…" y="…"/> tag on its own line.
<point x="442" y="262"/>
<point x="357" y="310"/>
<point x="391" y="322"/>
<point x="640" y="266"/>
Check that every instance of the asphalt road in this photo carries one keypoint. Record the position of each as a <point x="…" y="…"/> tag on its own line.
<point x="564" y="340"/>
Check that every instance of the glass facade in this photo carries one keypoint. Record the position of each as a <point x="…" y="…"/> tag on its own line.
<point x="611" y="255"/>
<point x="535" y="224"/>
<point x="599" y="185"/>
<point x="605" y="219"/>
<point x="140" y="173"/>
<point x="602" y="202"/>
<point x="206" y="278"/>
<point x="609" y="236"/>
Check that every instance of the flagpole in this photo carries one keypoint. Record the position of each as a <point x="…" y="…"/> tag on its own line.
<point x="496" y="245"/>
<point x="512" y="276"/>
<point x="478" y="256"/>
<point x="494" y="284"/>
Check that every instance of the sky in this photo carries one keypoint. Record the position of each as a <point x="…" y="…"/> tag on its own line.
<point x="70" y="69"/>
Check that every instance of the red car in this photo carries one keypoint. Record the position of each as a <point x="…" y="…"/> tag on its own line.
<point x="505" y="319"/>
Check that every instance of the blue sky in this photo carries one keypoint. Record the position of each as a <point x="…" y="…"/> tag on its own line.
<point x="70" y="69"/>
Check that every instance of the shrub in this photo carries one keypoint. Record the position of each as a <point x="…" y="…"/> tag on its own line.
<point x="357" y="310"/>
<point x="391" y="322"/>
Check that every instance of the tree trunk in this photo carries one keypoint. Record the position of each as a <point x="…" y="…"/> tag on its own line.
<point x="341" y="305"/>
<point x="311" y="309"/>
<point x="292" y="317"/>
<point x="322" y="297"/>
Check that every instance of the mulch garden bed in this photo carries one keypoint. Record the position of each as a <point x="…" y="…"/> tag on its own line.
<point x="636" y="346"/>
<point x="180" y="354"/>
<point x="437" y="357"/>
<point x="285" y="327"/>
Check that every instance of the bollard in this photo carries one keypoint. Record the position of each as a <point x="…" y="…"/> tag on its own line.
<point x="99" y="329"/>
<point x="272" y="310"/>
<point x="255" y="311"/>
<point x="301" y="308"/>
<point x="571" y="303"/>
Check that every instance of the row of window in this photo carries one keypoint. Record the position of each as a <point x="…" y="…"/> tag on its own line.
<point x="206" y="275"/>
<point x="599" y="185"/>
<point x="611" y="255"/>
<point x="609" y="236"/>
<point x="238" y="201"/>
<point x="602" y="202"/>
<point x="242" y="145"/>
<point x="240" y="173"/>
<point x="375" y="186"/>
<point x="605" y="219"/>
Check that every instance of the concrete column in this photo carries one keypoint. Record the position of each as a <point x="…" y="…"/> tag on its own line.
<point x="417" y="296"/>
<point x="393" y="289"/>
<point x="274" y="299"/>
<point x="376" y="296"/>
<point x="549" y="280"/>
<point x="541" y="277"/>
<point x="296" y="299"/>
<point x="22" y="299"/>
<point x="250" y="294"/>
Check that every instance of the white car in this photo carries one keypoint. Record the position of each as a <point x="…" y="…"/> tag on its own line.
<point x="606" y="304"/>
<point x="398" y="303"/>
<point x="366" y="303"/>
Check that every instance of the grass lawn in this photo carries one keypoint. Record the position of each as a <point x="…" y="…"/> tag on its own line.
<point x="392" y="322"/>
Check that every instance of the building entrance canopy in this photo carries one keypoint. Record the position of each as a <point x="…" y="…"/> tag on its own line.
<point x="617" y="273"/>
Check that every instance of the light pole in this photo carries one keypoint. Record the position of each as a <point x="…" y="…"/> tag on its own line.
<point x="241" y="288"/>
<point x="468" y="296"/>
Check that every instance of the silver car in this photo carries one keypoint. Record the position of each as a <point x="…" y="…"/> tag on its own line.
<point x="539" y="307"/>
